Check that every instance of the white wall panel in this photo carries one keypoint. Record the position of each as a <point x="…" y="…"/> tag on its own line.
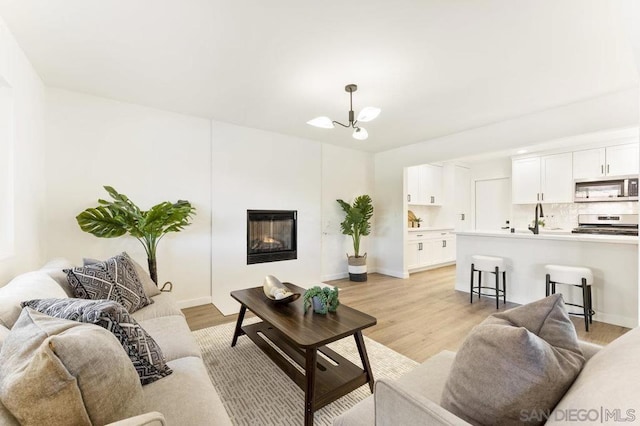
<point x="147" y="154"/>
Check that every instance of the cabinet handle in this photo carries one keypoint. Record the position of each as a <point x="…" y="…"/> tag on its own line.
<point x="433" y="199"/>
<point x="409" y="198"/>
<point x="419" y="235"/>
<point x="444" y="243"/>
<point x="607" y="169"/>
<point x="542" y="197"/>
<point x="601" y="169"/>
<point x="461" y="216"/>
<point x="419" y="246"/>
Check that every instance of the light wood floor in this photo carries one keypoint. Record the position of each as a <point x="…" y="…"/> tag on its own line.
<point x="417" y="317"/>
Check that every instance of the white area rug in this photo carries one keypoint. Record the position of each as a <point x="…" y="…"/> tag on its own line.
<point x="256" y="392"/>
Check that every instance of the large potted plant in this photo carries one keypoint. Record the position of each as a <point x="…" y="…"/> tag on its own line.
<point x="357" y="224"/>
<point x="122" y="216"/>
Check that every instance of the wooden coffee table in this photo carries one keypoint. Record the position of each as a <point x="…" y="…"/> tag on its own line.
<point x="301" y="336"/>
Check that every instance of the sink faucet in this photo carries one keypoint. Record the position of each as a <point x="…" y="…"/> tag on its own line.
<point x="536" y="229"/>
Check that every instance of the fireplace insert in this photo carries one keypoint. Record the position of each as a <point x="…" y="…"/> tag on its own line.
<point x="271" y="235"/>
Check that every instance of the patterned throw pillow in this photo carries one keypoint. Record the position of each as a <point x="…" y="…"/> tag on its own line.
<point x="144" y="352"/>
<point x="114" y="279"/>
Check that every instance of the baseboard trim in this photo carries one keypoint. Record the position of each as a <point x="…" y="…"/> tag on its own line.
<point x="392" y="273"/>
<point x="194" y="302"/>
<point x="436" y="266"/>
<point x="331" y="277"/>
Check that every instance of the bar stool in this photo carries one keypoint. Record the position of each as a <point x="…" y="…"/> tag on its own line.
<point x="574" y="276"/>
<point x="492" y="265"/>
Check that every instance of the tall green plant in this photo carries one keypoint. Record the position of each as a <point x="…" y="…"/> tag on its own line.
<point x="357" y="220"/>
<point x="122" y="216"/>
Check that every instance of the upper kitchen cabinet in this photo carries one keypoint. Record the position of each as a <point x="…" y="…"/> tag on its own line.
<point x="546" y="179"/>
<point x="424" y="185"/>
<point x="525" y="180"/>
<point x="462" y="198"/>
<point x="616" y="160"/>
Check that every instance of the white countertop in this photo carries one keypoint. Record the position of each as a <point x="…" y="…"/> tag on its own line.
<point x="429" y="228"/>
<point x="557" y="235"/>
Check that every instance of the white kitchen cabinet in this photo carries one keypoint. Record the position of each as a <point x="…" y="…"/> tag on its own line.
<point x="525" y="180"/>
<point x="622" y="160"/>
<point x="433" y="184"/>
<point x="462" y="198"/>
<point x="616" y="160"/>
<point x="413" y="254"/>
<point x="589" y="163"/>
<point x="424" y="185"/>
<point x="430" y="248"/>
<point x="546" y="179"/>
<point x="556" y="178"/>
<point x="413" y="185"/>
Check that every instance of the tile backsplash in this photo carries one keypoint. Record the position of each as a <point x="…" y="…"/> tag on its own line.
<point x="566" y="215"/>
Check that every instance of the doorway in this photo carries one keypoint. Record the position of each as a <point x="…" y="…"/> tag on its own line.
<point x="492" y="204"/>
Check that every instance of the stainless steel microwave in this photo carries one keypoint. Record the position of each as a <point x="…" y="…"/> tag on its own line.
<point x="619" y="188"/>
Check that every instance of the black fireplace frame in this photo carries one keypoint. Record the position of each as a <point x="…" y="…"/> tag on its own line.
<point x="273" y="256"/>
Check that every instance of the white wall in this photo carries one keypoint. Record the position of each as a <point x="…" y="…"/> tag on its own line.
<point x="346" y="174"/>
<point x="615" y="110"/>
<point x="28" y="165"/>
<point x="255" y="169"/>
<point x="147" y="154"/>
<point x="223" y="169"/>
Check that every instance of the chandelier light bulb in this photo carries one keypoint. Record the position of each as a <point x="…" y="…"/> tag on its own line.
<point x="360" y="133"/>
<point x="368" y="114"/>
<point x="322" y="122"/>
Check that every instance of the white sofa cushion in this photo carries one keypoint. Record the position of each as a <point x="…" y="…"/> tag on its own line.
<point x="54" y="268"/>
<point x="186" y="397"/>
<point x="172" y="334"/>
<point x="163" y="305"/>
<point x="28" y="286"/>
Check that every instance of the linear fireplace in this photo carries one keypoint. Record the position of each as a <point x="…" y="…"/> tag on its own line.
<point x="271" y="235"/>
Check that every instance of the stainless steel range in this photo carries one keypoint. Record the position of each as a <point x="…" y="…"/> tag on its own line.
<point x="607" y="224"/>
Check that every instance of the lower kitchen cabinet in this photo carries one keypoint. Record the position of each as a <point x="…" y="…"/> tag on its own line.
<point x="430" y="248"/>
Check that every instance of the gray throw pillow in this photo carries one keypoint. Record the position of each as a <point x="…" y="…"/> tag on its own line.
<point x="60" y="372"/>
<point x="114" y="279"/>
<point x="514" y="363"/>
<point x="144" y="352"/>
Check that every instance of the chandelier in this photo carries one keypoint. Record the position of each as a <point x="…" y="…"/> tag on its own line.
<point x="367" y="114"/>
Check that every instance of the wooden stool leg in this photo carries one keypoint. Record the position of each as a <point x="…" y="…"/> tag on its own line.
<point x="471" y="286"/>
<point x="497" y="288"/>
<point x="504" y="287"/>
<point x="585" y="302"/>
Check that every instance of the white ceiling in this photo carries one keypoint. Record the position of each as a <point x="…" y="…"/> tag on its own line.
<point x="435" y="67"/>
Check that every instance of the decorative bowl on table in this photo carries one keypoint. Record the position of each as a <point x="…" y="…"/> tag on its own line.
<point x="278" y="292"/>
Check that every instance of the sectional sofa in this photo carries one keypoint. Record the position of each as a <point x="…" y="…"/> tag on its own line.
<point x="185" y="397"/>
<point x="605" y="391"/>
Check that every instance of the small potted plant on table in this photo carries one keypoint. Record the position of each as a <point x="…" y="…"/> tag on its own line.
<point x="323" y="299"/>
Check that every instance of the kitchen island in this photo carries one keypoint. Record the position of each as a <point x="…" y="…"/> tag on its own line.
<point x="613" y="260"/>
